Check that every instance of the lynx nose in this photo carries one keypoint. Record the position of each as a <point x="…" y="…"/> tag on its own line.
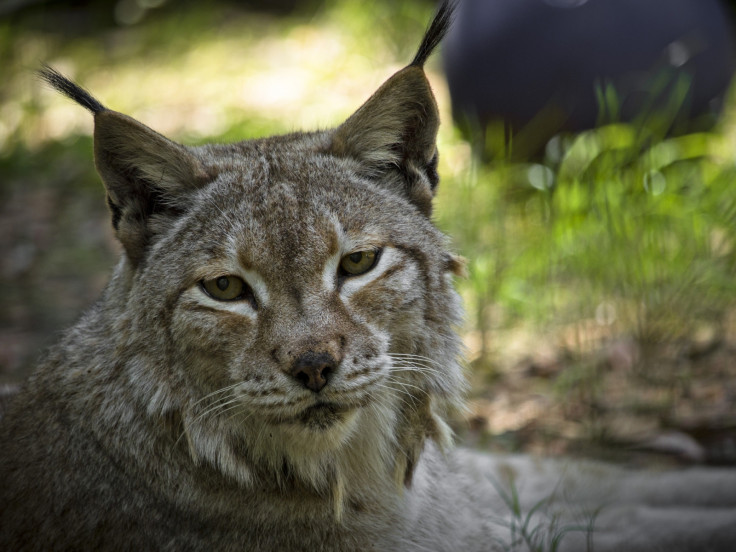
<point x="313" y="369"/>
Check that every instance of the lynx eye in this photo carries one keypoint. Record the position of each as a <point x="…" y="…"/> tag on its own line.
<point x="227" y="288"/>
<point x="359" y="262"/>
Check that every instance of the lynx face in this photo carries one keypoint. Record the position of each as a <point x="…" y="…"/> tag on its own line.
<point x="288" y="299"/>
<point x="287" y="295"/>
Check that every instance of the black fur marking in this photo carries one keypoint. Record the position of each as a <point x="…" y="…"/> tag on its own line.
<point x="432" y="174"/>
<point x="435" y="32"/>
<point x="116" y="212"/>
<point x="71" y="90"/>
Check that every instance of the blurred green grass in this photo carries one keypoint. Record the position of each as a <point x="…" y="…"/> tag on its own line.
<point x="625" y="233"/>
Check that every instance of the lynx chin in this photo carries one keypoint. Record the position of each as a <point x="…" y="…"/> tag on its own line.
<point x="273" y="362"/>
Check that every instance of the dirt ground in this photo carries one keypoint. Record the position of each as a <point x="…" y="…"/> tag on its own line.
<point x="672" y="403"/>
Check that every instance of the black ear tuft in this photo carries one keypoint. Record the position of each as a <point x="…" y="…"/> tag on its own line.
<point x="70" y="89"/>
<point x="435" y="32"/>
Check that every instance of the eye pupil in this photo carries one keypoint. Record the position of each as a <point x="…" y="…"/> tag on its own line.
<point x="356" y="257"/>
<point x="228" y="288"/>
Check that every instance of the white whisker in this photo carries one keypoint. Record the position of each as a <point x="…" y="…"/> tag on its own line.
<point x="406" y="384"/>
<point x="417" y="359"/>
<point x="217" y="392"/>
<point x="401" y="392"/>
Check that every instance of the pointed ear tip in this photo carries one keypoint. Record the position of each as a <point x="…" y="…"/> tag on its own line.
<point x="414" y="72"/>
<point x="109" y="118"/>
<point x="411" y="81"/>
<point x="113" y="124"/>
<point x="110" y="115"/>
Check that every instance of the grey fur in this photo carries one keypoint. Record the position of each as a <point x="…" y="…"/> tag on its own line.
<point x="167" y="419"/>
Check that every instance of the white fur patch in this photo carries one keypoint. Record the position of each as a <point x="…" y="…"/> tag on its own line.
<point x="257" y="284"/>
<point x="329" y="273"/>
<point x="243" y="308"/>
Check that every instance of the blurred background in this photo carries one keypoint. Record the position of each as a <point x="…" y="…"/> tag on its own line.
<point x="588" y="178"/>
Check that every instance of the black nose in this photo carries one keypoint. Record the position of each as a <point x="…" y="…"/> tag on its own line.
<point x="312" y="370"/>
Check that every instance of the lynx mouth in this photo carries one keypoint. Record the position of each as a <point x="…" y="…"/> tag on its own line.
<point x="324" y="415"/>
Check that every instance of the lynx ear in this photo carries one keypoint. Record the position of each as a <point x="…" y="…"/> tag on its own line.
<point x="393" y="136"/>
<point x="148" y="178"/>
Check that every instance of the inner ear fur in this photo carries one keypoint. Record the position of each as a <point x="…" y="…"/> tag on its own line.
<point x="147" y="177"/>
<point x="394" y="135"/>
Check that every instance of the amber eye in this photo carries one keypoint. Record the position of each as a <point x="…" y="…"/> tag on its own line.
<point x="359" y="262"/>
<point x="227" y="288"/>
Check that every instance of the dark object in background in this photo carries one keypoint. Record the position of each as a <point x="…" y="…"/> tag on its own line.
<point x="540" y="66"/>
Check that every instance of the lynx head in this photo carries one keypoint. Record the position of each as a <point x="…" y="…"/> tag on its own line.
<point x="289" y="297"/>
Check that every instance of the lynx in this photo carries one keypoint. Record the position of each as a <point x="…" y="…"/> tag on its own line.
<point x="273" y="363"/>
